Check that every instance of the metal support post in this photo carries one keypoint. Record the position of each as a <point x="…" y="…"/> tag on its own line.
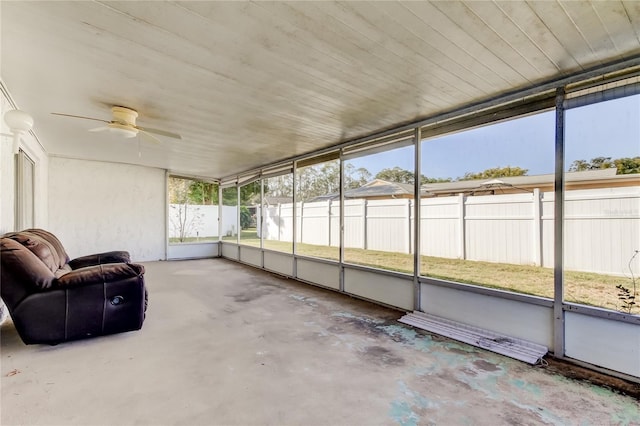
<point x="417" y="305"/>
<point x="558" y="227"/>
<point x="341" y="254"/>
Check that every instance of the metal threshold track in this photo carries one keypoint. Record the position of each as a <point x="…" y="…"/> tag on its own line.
<point x="499" y="343"/>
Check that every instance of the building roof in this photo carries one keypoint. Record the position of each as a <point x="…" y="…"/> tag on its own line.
<point x="373" y="189"/>
<point x="380" y="188"/>
<point x="525" y="183"/>
<point x="272" y="201"/>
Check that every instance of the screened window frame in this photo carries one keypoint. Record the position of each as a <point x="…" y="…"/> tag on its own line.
<point x="532" y="100"/>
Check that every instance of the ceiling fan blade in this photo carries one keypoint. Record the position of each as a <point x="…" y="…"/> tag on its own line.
<point x="80" y="116"/>
<point x="148" y="136"/>
<point x="160" y="132"/>
<point x="99" y="129"/>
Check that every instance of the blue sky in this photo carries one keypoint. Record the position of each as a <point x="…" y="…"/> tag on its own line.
<point x="608" y="129"/>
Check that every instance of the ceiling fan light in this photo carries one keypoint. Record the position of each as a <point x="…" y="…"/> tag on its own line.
<point x="122" y="131"/>
<point x="18" y="121"/>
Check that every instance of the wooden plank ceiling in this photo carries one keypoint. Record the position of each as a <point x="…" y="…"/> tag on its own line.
<point x="248" y="83"/>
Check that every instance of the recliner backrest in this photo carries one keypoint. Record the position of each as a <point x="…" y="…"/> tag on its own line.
<point x="63" y="257"/>
<point x="21" y="273"/>
<point x="45" y="246"/>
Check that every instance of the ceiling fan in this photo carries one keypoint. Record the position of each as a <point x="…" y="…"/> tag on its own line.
<point x="123" y="123"/>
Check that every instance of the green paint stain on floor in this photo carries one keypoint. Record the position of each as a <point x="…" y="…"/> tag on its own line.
<point x="622" y="413"/>
<point x="627" y="415"/>
<point x="409" y="337"/>
<point x="527" y="387"/>
<point x="541" y="412"/>
<point x="403" y="409"/>
<point x="481" y="371"/>
<point x="402" y="414"/>
<point x="356" y="317"/>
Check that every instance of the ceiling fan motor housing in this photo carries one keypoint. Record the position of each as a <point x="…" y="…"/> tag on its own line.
<point x="124" y="115"/>
<point x="124" y="122"/>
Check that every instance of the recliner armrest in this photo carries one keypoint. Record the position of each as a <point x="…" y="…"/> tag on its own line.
<point x="100" y="259"/>
<point x="99" y="274"/>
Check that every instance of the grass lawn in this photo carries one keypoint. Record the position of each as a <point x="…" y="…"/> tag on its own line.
<point x="246" y="234"/>
<point x="193" y="240"/>
<point x="581" y="287"/>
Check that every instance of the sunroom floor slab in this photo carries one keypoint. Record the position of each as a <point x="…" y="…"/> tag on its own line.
<point x="227" y="344"/>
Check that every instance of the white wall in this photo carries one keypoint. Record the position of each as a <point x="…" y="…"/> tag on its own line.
<point x="7" y="175"/>
<point x="251" y="255"/>
<point x="600" y="341"/>
<point x="325" y="274"/>
<point x="393" y="291"/>
<point x="230" y="251"/>
<point x="281" y="263"/>
<point x="192" y="250"/>
<point x="96" y="206"/>
<point x="513" y="318"/>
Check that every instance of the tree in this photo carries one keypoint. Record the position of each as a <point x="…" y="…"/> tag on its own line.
<point x="184" y="218"/>
<point x="355" y="178"/>
<point x="324" y="179"/>
<point x="597" y="163"/>
<point x="400" y="175"/>
<point x="250" y="193"/>
<point x="178" y="190"/>
<point x="627" y="165"/>
<point x="203" y="193"/>
<point x="245" y="217"/>
<point x="496" y="172"/>
<point x="318" y="179"/>
<point x="433" y="180"/>
<point x="396" y="174"/>
<point x="624" y="166"/>
<point x="230" y="196"/>
<point x="279" y="186"/>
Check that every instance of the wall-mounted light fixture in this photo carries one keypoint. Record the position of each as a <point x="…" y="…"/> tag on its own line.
<point x="19" y="123"/>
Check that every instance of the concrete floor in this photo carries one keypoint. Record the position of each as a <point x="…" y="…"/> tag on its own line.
<point x="228" y="344"/>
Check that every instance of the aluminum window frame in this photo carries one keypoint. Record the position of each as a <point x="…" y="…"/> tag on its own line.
<point x="531" y="100"/>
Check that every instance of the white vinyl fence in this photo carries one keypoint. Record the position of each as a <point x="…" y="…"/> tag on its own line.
<point x="602" y="227"/>
<point x="193" y="221"/>
<point x="201" y="221"/>
<point x="229" y="221"/>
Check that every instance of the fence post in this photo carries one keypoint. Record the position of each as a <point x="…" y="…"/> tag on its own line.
<point x="408" y="224"/>
<point x="462" y="252"/>
<point x="364" y="224"/>
<point x="279" y="222"/>
<point x="537" y="227"/>
<point x="300" y="234"/>
<point x="329" y="223"/>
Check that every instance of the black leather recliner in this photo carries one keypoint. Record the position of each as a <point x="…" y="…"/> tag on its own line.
<point x="52" y="299"/>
